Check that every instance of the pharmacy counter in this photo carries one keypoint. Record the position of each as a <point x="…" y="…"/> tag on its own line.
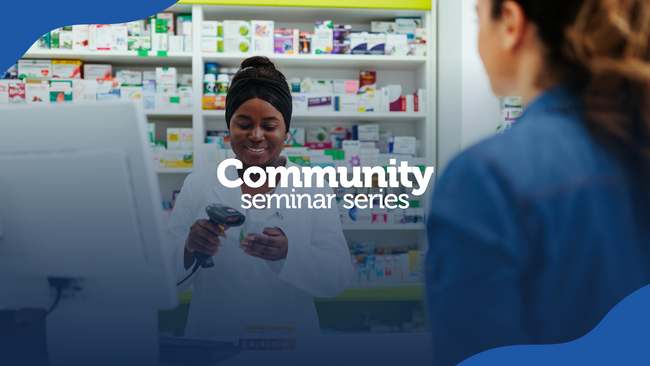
<point x="344" y="349"/>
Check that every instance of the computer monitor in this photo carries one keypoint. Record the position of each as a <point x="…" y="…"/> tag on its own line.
<point x="79" y="199"/>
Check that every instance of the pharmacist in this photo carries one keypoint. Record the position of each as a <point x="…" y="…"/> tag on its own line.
<point x="273" y="266"/>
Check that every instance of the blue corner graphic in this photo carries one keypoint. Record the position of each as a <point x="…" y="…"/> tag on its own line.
<point x="21" y="30"/>
<point x="621" y="338"/>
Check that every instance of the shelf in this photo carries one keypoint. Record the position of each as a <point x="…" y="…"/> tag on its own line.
<point x="120" y="57"/>
<point x="169" y="113"/>
<point x="384" y="227"/>
<point x="366" y="4"/>
<point x="360" y="292"/>
<point x="174" y="170"/>
<point x="346" y="116"/>
<point x="325" y="61"/>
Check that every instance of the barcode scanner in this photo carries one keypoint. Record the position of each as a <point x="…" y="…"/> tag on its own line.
<point x="224" y="216"/>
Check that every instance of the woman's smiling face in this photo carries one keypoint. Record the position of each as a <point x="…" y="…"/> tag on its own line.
<point x="257" y="133"/>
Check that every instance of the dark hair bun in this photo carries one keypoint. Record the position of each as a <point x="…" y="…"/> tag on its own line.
<point x="259" y="67"/>
<point x="258" y="62"/>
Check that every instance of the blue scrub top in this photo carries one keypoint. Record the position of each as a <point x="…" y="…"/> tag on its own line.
<point x="534" y="235"/>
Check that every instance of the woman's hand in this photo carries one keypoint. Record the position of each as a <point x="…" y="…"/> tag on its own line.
<point x="204" y="238"/>
<point x="272" y="247"/>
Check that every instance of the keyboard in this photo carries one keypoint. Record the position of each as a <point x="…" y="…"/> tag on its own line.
<point x="194" y="351"/>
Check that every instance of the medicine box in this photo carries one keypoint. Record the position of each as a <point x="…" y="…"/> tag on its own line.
<point x="323" y="38"/>
<point x="93" y="71"/>
<point x="283" y="41"/>
<point x="376" y="43"/>
<point x="263" y="36"/>
<point x="66" y="69"/>
<point x="65" y="38"/>
<point x="209" y="44"/>
<point x="383" y="27"/>
<point x="84" y="91"/>
<point x="34" y="69"/>
<point x="166" y="76"/>
<point x="236" y="29"/>
<point x="236" y="45"/>
<point x="173" y="138"/>
<point x="295" y="136"/>
<point x="299" y="102"/>
<point x="402" y="145"/>
<point x="186" y="139"/>
<point x="365" y="132"/>
<point x="320" y="103"/>
<point x="175" y="43"/>
<point x="346" y="103"/>
<point x="4" y="92"/>
<point x="79" y="37"/>
<point x="317" y="134"/>
<point x="169" y="17"/>
<point x="396" y="45"/>
<point x="407" y="26"/>
<point x="102" y="35"/>
<point x="359" y="43"/>
<point x="160" y="42"/>
<point x="61" y="91"/>
<point x="129" y="77"/>
<point x="119" y="34"/>
<point x="37" y="91"/>
<point x="209" y="28"/>
<point x="129" y="93"/>
<point x="179" y="158"/>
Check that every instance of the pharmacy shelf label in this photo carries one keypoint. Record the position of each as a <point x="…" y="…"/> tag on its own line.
<point x="162" y="53"/>
<point x="143" y="53"/>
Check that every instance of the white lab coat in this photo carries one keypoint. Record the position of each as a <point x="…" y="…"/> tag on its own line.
<point x="240" y="287"/>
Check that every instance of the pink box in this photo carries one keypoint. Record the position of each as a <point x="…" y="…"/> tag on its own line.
<point x="351" y="86"/>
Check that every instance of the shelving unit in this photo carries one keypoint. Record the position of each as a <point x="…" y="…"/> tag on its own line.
<point x="411" y="72"/>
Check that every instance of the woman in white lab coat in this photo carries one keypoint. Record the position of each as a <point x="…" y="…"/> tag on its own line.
<point x="301" y="254"/>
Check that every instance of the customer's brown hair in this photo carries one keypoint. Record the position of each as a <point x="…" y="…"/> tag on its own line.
<point x="607" y="43"/>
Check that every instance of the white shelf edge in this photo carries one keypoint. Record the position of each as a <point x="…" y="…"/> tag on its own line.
<point x="354" y="115"/>
<point x="108" y="54"/>
<point x="312" y="57"/>
<point x="168" y="113"/>
<point x="173" y="170"/>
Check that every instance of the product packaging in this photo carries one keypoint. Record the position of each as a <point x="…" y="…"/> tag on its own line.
<point x="166" y="76"/>
<point x="365" y="133"/>
<point x="209" y="44"/>
<point x="37" y="91"/>
<point x="408" y="26"/>
<point x="34" y="69"/>
<point x="383" y="27"/>
<point x="352" y="151"/>
<point x="346" y="103"/>
<point x="317" y="134"/>
<point x="295" y="136"/>
<point x="323" y="37"/>
<point x="396" y="45"/>
<point x="173" y="138"/>
<point x="236" y="36"/>
<point x="179" y="158"/>
<point x="299" y="102"/>
<point x="283" y="41"/>
<point x="184" y="24"/>
<point x="43" y="42"/>
<point x="93" y="71"/>
<point x="395" y="100"/>
<point x="54" y="38"/>
<point x="129" y="77"/>
<point x="66" y="69"/>
<point x="304" y="42"/>
<point x="359" y="43"/>
<point x="339" y="134"/>
<point x="65" y="38"/>
<point x="419" y="100"/>
<point x="186" y="139"/>
<point x="402" y="145"/>
<point x="209" y="28"/>
<point x="263" y="36"/>
<point x="61" y="91"/>
<point x="131" y="93"/>
<point x="119" y="34"/>
<point x="186" y="94"/>
<point x="297" y="155"/>
<point x="148" y="94"/>
<point x="84" y="91"/>
<point x="376" y="43"/>
<point x="169" y="20"/>
<point x="104" y="38"/>
<point x="80" y="37"/>
<point x="11" y="73"/>
<point x="341" y="40"/>
<point x="236" y="45"/>
<point x="4" y="92"/>
<point x="368" y="101"/>
<point x="16" y="92"/>
<point x="320" y="102"/>
<point x="175" y="43"/>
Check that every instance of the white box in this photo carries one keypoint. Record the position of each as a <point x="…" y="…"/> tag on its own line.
<point x="321" y="86"/>
<point x="166" y="76"/>
<point x="84" y="91"/>
<point x="186" y="139"/>
<point x="129" y="77"/>
<point x="299" y="102"/>
<point x="384" y="27"/>
<point x="317" y="134"/>
<point x="346" y="103"/>
<point x="209" y="44"/>
<point x="175" y="44"/>
<point x="367" y="133"/>
<point x="359" y="43"/>
<point x="376" y="43"/>
<point x="262" y="38"/>
<point x="167" y="101"/>
<point x="104" y="39"/>
<point x="384" y="99"/>
<point x="4" y="92"/>
<point x="396" y="45"/>
<point x="37" y="91"/>
<point x="129" y="93"/>
<point x="173" y="138"/>
<point x="237" y="45"/>
<point x="119" y="34"/>
<point x="322" y="40"/>
<point x="34" y="69"/>
<point x="407" y="27"/>
<point x="80" y="37"/>
<point x="295" y="136"/>
<point x="94" y="71"/>
<point x="236" y="29"/>
<point x="186" y="94"/>
<point x="187" y="43"/>
<point x="92" y="37"/>
<point x="402" y="145"/>
<point x="159" y="42"/>
<point x="410" y="104"/>
<point x="209" y="28"/>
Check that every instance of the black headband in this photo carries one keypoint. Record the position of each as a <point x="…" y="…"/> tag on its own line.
<point x="241" y="91"/>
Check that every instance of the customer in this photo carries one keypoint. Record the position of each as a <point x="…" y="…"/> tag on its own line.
<point x="537" y="234"/>
<point x="301" y="254"/>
